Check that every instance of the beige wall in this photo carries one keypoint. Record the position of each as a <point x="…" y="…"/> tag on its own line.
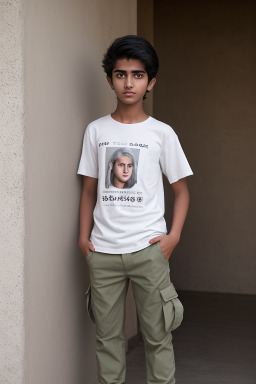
<point x="12" y="226"/>
<point x="145" y="28"/>
<point x="64" y="88"/>
<point x="206" y="91"/>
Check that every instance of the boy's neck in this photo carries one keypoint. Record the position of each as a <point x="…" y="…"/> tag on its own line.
<point x="129" y="114"/>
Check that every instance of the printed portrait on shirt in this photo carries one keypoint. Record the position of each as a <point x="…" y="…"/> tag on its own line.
<point x="121" y="167"/>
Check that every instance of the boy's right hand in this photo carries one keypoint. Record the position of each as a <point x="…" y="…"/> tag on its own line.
<point x="86" y="246"/>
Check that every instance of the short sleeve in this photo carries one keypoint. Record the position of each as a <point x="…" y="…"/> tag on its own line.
<point x="173" y="161"/>
<point x="88" y="165"/>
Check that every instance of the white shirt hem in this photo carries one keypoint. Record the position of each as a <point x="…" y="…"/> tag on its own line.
<point x="121" y="251"/>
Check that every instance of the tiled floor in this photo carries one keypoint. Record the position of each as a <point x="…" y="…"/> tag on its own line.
<point x="216" y="343"/>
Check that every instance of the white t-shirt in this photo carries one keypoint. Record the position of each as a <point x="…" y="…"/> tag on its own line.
<point x="128" y="160"/>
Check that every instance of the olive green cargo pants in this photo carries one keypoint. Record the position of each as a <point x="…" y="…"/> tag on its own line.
<point x="159" y="311"/>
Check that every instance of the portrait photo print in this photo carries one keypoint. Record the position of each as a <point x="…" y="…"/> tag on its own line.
<point x="121" y="167"/>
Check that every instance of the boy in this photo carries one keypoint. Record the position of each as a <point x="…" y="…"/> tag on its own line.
<point x="123" y="157"/>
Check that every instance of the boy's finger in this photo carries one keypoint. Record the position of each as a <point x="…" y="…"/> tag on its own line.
<point x="155" y="240"/>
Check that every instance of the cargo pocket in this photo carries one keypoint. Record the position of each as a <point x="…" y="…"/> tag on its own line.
<point x="172" y="308"/>
<point x="88" y="295"/>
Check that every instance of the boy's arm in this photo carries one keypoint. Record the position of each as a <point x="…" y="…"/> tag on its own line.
<point x="87" y="204"/>
<point x="180" y="209"/>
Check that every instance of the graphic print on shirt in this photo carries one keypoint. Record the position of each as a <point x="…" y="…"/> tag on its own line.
<point x="121" y="176"/>
<point x="122" y="166"/>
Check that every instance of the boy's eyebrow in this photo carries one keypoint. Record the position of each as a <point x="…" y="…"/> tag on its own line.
<point x="135" y="71"/>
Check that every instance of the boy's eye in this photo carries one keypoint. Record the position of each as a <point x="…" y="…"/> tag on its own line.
<point x="122" y="75"/>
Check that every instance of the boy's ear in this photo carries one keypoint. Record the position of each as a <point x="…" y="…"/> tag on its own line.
<point x="110" y="82"/>
<point x="151" y="84"/>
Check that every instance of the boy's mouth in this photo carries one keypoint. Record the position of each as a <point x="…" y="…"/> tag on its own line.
<point x="129" y="93"/>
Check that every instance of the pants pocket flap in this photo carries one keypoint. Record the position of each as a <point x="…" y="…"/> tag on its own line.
<point x="168" y="293"/>
<point x="172" y="308"/>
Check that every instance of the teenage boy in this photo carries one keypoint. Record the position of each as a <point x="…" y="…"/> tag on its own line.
<point x="123" y="157"/>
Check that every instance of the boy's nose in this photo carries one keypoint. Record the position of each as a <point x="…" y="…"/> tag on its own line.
<point x="128" y="82"/>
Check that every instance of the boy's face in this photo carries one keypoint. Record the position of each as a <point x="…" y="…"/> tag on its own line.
<point x="130" y="81"/>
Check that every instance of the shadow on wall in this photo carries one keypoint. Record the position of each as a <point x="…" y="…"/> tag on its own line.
<point x="93" y="92"/>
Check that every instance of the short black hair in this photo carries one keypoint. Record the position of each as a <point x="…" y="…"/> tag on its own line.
<point x="131" y="47"/>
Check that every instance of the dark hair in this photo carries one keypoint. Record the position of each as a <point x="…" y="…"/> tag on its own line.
<point x="131" y="47"/>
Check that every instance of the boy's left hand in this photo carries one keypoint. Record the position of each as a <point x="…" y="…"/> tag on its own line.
<point x="167" y="244"/>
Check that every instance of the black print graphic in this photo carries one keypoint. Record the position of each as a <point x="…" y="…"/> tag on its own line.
<point x="122" y="165"/>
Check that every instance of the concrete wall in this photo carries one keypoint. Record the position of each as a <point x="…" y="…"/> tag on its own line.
<point x="45" y="106"/>
<point x="206" y="91"/>
<point x="12" y="225"/>
<point x="66" y="89"/>
<point x="145" y="28"/>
